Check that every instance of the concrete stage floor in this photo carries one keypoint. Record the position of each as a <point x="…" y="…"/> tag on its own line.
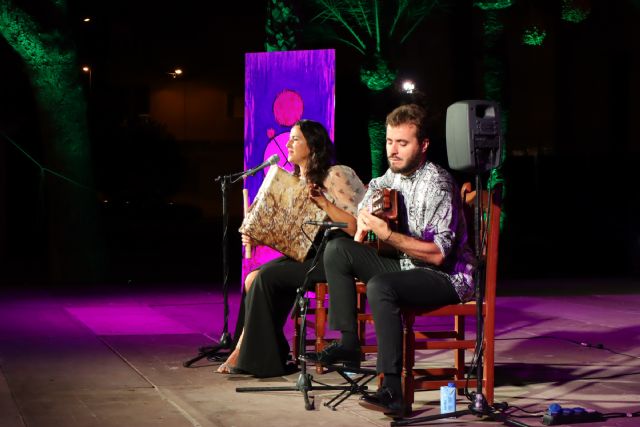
<point x="114" y="358"/>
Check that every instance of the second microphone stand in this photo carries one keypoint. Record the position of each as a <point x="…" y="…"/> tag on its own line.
<point x="226" y="342"/>
<point x="305" y="380"/>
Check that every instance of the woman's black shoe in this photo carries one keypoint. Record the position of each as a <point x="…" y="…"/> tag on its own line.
<point x="384" y="400"/>
<point x="335" y="353"/>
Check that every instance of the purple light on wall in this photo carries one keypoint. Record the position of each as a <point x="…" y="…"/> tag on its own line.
<point x="280" y="89"/>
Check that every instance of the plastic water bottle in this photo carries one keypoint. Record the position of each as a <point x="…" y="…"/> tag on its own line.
<point x="448" y="398"/>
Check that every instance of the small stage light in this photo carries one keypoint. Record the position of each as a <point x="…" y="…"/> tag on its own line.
<point x="408" y="86"/>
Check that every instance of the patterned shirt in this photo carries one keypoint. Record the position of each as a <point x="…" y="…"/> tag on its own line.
<point x="433" y="210"/>
<point x="343" y="188"/>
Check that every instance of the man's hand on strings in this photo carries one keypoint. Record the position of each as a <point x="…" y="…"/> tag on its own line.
<point x="369" y="222"/>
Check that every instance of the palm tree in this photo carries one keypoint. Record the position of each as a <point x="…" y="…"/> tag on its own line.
<point x="374" y="28"/>
<point x="493" y="73"/>
<point x="42" y="41"/>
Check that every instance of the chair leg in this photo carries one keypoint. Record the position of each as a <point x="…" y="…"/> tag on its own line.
<point x="489" y="359"/>
<point x="362" y="323"/>
<point x="459" y="328"/>
<point x="296" y="338"/>
<point x="321" y="320"/>
<point x="408" y="354"/>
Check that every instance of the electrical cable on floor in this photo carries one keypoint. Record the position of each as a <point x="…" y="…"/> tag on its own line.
<point x="502" y="409"/>
<point x="548" y="417"/>
<point x="598" y="346"/>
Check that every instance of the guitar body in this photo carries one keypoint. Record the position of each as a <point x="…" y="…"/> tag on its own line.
<point x="385" y="204"/>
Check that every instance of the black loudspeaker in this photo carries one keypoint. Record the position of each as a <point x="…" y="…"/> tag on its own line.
<point x="474" y="139"/>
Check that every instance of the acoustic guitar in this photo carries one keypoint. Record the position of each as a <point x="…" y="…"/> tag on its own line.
<point x="385" y="204"/>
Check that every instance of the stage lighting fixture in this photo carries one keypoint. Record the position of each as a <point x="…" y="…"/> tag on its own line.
<point x="408" y="86"/>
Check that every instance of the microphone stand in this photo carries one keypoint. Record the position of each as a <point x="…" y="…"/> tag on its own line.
<point x="305" y="380"/>
<point x="225" y="342"/>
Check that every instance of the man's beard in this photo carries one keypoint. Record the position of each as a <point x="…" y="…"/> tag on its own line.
<point x="413" y="164"/>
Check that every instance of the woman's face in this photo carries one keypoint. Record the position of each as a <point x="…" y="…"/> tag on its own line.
<point x="297" y="146"/>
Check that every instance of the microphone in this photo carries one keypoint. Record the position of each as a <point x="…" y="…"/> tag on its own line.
<point x="328" y="224"/>
<point x="269" y="162"/>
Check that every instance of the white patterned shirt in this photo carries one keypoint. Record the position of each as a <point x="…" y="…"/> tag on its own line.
<point x="433" y="213"/>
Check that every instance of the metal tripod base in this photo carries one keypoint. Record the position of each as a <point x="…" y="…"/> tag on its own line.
<point x="211" y="352"/>
<point x="305" y="380"/>
<point x="357" y="384"/>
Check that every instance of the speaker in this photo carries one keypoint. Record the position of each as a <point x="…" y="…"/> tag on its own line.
<point x="474" y="139"/>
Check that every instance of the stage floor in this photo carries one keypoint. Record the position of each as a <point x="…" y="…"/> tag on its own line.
<point x="114" y="358"/>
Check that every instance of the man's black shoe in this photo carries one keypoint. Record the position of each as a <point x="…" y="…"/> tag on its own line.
<point x="384" y="400"/>
<point x="335" y="353"/>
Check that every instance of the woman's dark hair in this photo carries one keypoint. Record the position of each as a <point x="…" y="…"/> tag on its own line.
<point x="321" y="156"/>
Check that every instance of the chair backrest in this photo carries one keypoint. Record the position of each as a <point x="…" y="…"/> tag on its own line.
<point x="491" y="211"/>
<point x="492" y="222"/>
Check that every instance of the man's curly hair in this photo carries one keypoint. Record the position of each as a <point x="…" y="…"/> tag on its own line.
<point x="411" y="114"/>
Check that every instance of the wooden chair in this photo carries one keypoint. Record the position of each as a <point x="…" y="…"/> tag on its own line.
<point x="413" y="378"/>
<point x="319" y="311"/>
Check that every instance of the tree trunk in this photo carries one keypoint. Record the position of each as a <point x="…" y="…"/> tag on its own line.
<point x="493" y="78"/>
<point x="71" y="205"/>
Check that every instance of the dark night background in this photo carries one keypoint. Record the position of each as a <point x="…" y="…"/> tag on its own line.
<point x="572" y="145"/>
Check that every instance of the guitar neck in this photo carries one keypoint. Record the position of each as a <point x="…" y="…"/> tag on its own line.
<point x="384" y="204"/>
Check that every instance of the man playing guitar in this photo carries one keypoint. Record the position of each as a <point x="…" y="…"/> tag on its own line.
<point x="434" y="267"/>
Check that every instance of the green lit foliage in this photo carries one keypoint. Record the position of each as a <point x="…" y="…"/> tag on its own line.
<point x="533" y="36"/>
<point x="496" y="177"/>
<point x="370" y="25"/>
<point x="493" y="77"/>
<point x="575" y="11"/>
<point x="54" y="73"/>
<point x="377" y="132"/>
<point x="282" y="26"/>
<point x="374" y="28"/>
<point x="378" y="76"/>
<point x="493" y="5"/>
<point x="44" y="44"/>
<point x="492" y="28"/>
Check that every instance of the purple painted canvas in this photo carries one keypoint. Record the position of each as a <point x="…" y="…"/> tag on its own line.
<point x="280" y="89"/>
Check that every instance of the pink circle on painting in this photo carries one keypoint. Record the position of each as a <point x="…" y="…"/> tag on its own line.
<point x="278" y="145"/>
<point x="271" y="132"/>
<point x="288" y="107"/>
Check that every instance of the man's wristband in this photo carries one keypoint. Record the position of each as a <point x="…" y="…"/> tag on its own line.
<point x="389" y="236"/>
